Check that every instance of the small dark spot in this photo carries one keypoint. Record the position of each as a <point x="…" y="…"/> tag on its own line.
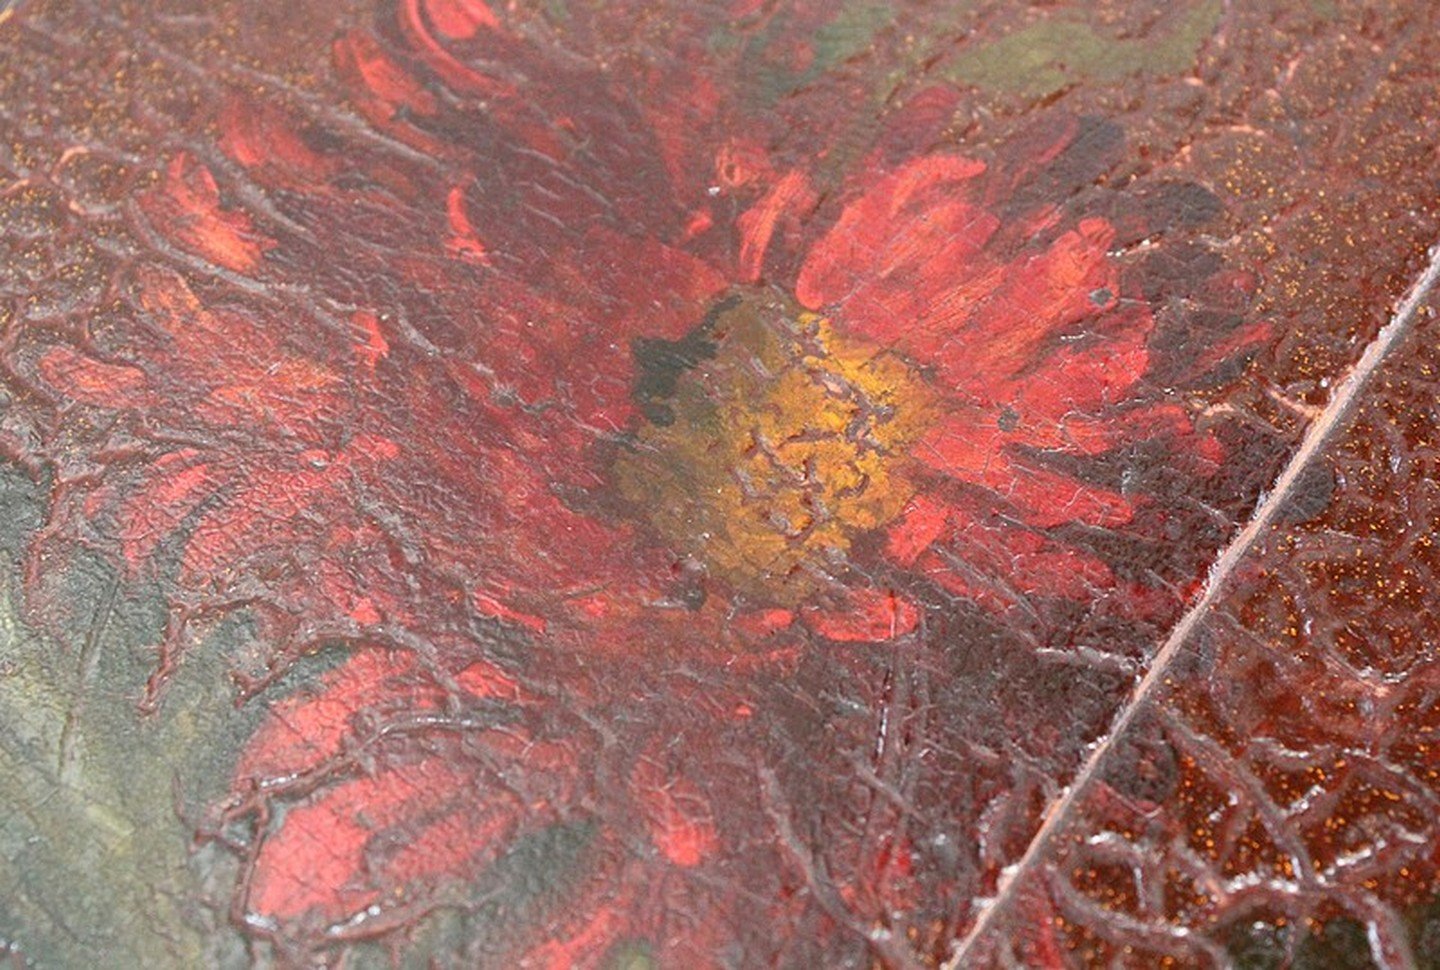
<point x="1009" y="419"/>
<point x="322" y="140"/>
<point x="661" y="363"/>
<point x="660" y="415"/>
<point x="1102" y="296"/>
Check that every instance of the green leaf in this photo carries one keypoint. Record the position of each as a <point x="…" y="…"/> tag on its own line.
<point x="1050" y="55"/>
<point x="95" y="861"/>
<point x="848" y="34"/>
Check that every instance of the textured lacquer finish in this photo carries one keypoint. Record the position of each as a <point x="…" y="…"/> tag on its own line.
<point x="716" y="484"/>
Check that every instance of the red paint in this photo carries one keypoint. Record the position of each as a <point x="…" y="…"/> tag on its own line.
<point x="187" y="207"/>
<point x="405" y="452"/>
<point x="460" y="19"/>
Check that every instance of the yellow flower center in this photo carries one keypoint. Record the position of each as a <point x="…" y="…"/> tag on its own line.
<point x="772" y="443"/>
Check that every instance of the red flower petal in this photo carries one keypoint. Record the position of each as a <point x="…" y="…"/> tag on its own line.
<point x="991" y="563"/>
<point x="463" y="240"/>
<point x="91" y="381"/>
<point x="260" y="136"/>
<point x="791" y="193"/>
<point x="678" y="817"/>
<point x="187" y="206"/>
<point x="1037" y="300"/>
<point x="460" y="78"/>
<point x="358" y="56"/>
<point x="461" y="19"/>
<point x="872" y="616"/>
<point x="761" y="623"/>
<point x="375" y="347"/>
<point x="375" y="837"/>
<point x="968" y="447"/>
<point x="304" y="730"/>
<point x="643" y="287"/>
<point x="178" y="483"/>
<point x="1091" y="375"/>
<point x="212" y="350"/>
<point x="923" y="521"/>
<point x="894" y="255"/>
<point x="484" y="679"/>
<point x="488" y="605"/>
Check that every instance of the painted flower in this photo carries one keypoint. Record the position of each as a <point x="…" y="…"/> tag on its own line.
<point x="912" y="383"/>
<point x="516" y="360"/>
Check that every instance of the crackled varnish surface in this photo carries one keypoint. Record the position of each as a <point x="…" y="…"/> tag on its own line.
<point x="688" y="484"/>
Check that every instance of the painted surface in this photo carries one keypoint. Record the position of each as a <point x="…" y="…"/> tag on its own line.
<point x="717" y="484"/>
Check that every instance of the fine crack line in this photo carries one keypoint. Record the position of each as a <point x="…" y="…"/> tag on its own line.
<point x="1316" y="436"/>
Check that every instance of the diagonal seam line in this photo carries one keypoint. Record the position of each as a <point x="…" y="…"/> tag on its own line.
<point x="1317" y="435"/>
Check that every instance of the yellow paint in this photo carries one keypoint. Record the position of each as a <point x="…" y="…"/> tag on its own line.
<point x="787" y="445"/>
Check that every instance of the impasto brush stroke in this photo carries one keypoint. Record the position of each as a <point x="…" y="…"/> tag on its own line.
<point x="659" y="484"/>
